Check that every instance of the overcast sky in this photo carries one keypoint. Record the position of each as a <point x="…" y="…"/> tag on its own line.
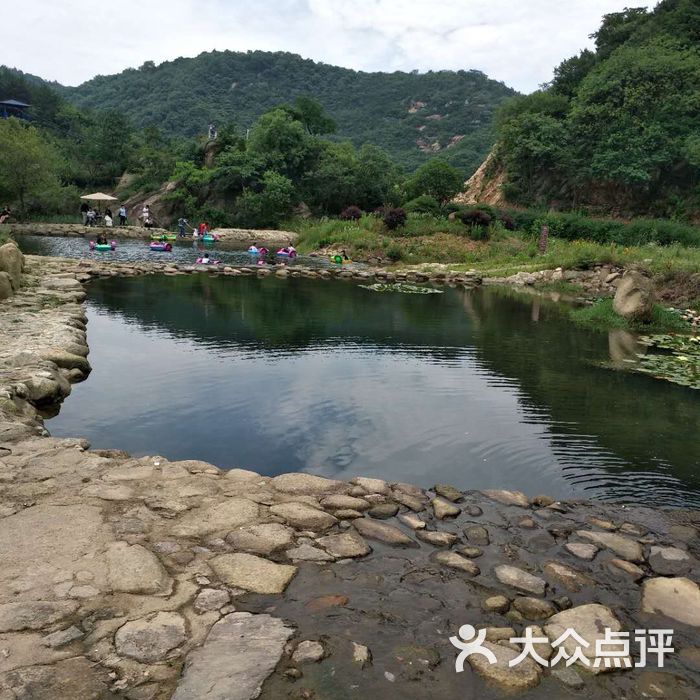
<point x="514" y="41"/>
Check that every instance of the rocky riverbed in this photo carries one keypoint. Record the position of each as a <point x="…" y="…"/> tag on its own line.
<point x="147" y="579"/>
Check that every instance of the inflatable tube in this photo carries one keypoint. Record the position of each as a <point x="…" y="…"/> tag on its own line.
<point x="164" y="237"/>
<point x="253" y="250"/>
<point x="209" y="238"/>
<point x="161" y="247"/>
<point x="103" y="246"/>
<point x="283" y="253"/>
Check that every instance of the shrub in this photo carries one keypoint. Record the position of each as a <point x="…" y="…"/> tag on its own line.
<point x="507" y="221"/>
<point x="394" y="252"/>
<point x="351" y="213"/>
<point x="425" y="204"/>
<point x="394" y="218"/>
<point x="476" y="217"/>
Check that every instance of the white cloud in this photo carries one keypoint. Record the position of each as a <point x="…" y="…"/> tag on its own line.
<point x="516" y="42"/>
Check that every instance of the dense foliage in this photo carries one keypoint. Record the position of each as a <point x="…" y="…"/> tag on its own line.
<point x="410" y="115"/>
<point x="618" y="128"/>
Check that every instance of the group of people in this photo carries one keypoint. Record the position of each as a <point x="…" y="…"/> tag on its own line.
<point x="92" y="216"/>
<point x="267" y="257"/>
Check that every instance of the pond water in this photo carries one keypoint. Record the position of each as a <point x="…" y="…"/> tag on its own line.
<point x="480" y="389"/>
<point x="129" y="250"/>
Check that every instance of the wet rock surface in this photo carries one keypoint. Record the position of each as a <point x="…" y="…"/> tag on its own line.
<point x="146" y="579"/>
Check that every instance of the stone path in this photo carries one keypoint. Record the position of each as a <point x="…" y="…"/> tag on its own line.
<point x="148" y="579"/>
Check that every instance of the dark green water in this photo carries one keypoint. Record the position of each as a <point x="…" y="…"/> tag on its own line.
<point x="476" y="388"/>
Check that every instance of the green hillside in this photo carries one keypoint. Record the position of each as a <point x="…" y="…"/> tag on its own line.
<point x="413" y="116"/>
<point x="618" y="129"/>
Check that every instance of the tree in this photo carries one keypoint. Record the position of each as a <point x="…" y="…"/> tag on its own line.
<point x="268" y="207"/>
<point x="28" y="164"/>
<point x="437" y="179"/>
<point x="310" y="113"/>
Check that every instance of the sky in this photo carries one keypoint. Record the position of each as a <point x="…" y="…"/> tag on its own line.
<point x="514" y="41"/>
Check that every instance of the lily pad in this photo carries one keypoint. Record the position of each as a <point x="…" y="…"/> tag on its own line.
<point x="678" y="360"/>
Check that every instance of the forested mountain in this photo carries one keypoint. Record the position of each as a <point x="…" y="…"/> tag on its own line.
<point x="618" y="129"/>
<point x="412" y="116"/>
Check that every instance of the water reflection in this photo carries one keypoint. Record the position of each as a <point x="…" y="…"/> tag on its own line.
<point x="481" y="389"/>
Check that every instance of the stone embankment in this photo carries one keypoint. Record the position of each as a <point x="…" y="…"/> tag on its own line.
<point x="229" y="237"/>
<point x="146" y="579"/>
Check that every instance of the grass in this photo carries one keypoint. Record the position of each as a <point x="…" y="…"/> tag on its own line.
<point x="601" y="316"/>
<point x="429" y="240"/>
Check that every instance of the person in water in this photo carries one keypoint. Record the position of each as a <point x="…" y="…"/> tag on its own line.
<point x="101" y="239"/>
<point x="205" y="257"/>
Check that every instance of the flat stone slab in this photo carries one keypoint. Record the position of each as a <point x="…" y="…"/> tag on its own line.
<point x="261" y="539"/>
<point x="621" y="545"/>
<point x="589" y="622"/>
<point x="252" y="573"/>
<point x="677" y="598"/>
<point x="150" y="639"/>
<point x="220" y="517"/>
<point x="133" y="569"/>
<point x="522" y="580"/>
<point x="525" y="674"/>
<point x="345" y="545"/>
<point x="376" y="530"/>
<point x="239" y="653"/>
<point x="669" y="561"/>
<point x="34" y="614"/>
<point x="301" y="515"/>
<point x="297" y="484"/>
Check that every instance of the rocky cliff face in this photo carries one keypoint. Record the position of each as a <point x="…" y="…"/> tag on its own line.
<point x="485" y="186"/>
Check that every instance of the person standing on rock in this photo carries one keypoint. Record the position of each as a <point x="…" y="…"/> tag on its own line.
<point x="182" y="225"/>
<point x="122" y="215"/>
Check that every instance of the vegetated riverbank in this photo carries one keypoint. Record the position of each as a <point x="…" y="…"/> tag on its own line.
<point x="497" y="252"/>
<point x="154" y="579"/>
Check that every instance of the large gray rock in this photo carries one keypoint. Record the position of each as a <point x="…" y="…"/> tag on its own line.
<point x="240" y="652"/>
<point x="669" y="561"/>
<point x="634" y="298"/>
<point x="522" y="580"/>
<point x="252" y="573"/>
<point x="218" y="517"/>
<point x="6" y="290"/>
<point x="525" y="674"/>
<point x="508" y="498"/>
<point x="133" y="569"/>
<point x="590" y="623"/>
<point x="12" y="262"/>
<point x="622" y="546"/>
<point x="376" y="530"/>
<point x="150" y="639"/>
<point x="261" y="539"/>
<point x="34" y="614"/>
<point x="303" y="516"/>
<point x="345" y="545"/>
<point x="298" y="484"/>
<point x="677" y="598"/>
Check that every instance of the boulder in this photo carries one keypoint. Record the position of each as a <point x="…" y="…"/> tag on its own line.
<point x="12" y="262"/>
<point x="6" y="290"/>
<point x="345" y="545"/>
<point x="376" y="530"/>
<point x="677" y="598"/>
<point x="133" y="569"/>
<point x="525" y="674"/>
<point x="622" y="546"/>
<point x="261" y="539"/>
<point x="522" y="580"/>
<point x="252" y="573"/>
<point x="218" y="517"/>
<point x="297" y="484"/>
<point x="150" y="639"/>
<point x="634" y="298"/>
<point x="303" y="516"/>
<point x="590" y="623"/>
<point x="455" y="561"/>
<point x="669" y="561"/>
<point x="240" y="652"/>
